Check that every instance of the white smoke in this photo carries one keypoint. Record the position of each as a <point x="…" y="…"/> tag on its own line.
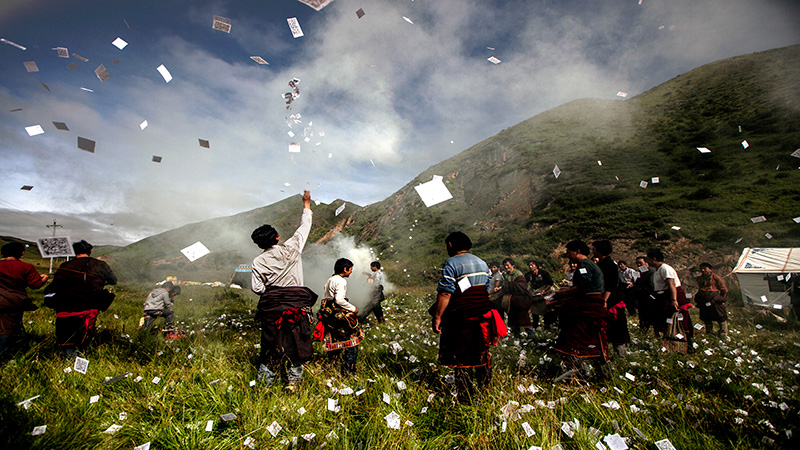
<point x="318" y="263"/>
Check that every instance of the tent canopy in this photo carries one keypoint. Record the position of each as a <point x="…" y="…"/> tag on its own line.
<point x="766" y="276"/>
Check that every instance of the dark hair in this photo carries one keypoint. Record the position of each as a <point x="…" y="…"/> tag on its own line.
<point x="494" y="264"/>
<point x="510" y="261"/>
<point x="655" y="254"/>
<point x="603" y="247"/>
<point x="622" y="261"/>
<point x="643" y="258"/>
<point x="265" y="236"/>
<point x="578" y="246"/>
<point x="175" y="291"/>
<point x="375" y="264"/>
<point x="13" y="249"/>
<point x="82" y="247"/>
<point x="458" y="241"/>
<point x="704" y="265"/>
<point x="168" y="285"/>
<point x="341" y="265"/>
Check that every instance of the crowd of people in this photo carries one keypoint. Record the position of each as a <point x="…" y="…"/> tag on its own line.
<point x="476" y="305"/>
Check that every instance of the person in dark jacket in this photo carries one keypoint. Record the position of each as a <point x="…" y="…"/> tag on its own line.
<point x="617" y="331"/>
<point x="77" y="295"/>
<point x="15" y="276"/>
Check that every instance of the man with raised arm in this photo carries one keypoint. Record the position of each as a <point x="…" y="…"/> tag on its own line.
<point x="284" y="308"/>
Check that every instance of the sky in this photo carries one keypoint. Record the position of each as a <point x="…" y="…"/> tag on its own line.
<point x="381" y="97"/>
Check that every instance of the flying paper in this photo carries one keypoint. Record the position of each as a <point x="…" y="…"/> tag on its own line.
<point x="643" y="184"/>
<point x="156" y="159"/>
<point x="408" y="20"/>
<point x="195" y="251"/>
<point x="294" y="27"/>
<point x="80" y="57"/>
<point x="26" y="188"/>
<point x="38" y="430"/>
<point x="433" y="192"/>
<point x="34" y="130"/>
<point x="758" y="219"/>
<point x="221" y="23"/>
<point x="294" y="147"/>
<point x="204" y="143"/>
<point x="72" y="66"/>
<point x="259" y="60"/>
<point x="119" y="43"/>
<point x="164" y="73"/>
<point x="556" y="171"/>
<point x="62" y="52"/>
<point x="31" y="66"/>
<point x="55" y="247"/>
<point x="745" y="144"/>
<point x="86" y="144"/>
<point x="360" y="13"/>
<point x="622" y="94"/>
<point x="493" y="60"/>
<point x="6" y="41"/>
<point x="61" y="126"/>
<point x="339" y="209"/>
<point x="316" y="4"/>
<point x="143" y="125"/>
<point x="703" y="150"/>
<point x="102" y="73"/>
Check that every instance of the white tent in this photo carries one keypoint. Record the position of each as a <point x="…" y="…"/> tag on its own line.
<point x="766" y="276"/>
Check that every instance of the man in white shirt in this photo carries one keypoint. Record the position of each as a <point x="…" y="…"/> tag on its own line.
<point x="670" y="298"/>
<point x="284" y="308"/>
<point x="342" y="332"/>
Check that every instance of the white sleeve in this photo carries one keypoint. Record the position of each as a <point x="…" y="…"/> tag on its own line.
<point x="298" y="239"/>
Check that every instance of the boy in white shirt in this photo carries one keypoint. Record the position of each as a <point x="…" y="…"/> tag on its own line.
<point x="342" y="332"/>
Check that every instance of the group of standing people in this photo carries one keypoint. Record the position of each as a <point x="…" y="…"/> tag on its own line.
<point x="77" y="294"/>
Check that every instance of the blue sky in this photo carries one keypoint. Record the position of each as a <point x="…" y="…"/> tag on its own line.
<point x="380" y="100"/>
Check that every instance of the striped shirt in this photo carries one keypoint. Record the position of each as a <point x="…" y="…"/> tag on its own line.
<point x="463" y="267"/>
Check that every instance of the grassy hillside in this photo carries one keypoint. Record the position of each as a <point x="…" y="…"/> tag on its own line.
<point x="739" y="392"/>
<point x="507" y="198"/>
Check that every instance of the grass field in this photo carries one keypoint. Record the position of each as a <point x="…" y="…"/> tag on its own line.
<point x="735" y="393"/>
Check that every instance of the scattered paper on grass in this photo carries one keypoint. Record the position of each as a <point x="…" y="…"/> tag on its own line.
<point x="112" y="429"/>
<point x="745" y="144"/>
<point x="39" y="430"/>
<point x="386" y="399"/>
<point x="665" y="444"/>
<point x="612" y="404"/>
<point x="227" y="417"/>
<point x="758" y="219"/>
<point x="703" y="150"/>
<point x="156" y="380"/>
<point x="94" y="399"/>
<point x="393" y="420"/>
<point x="209" y="425"/>
<point x="274" y="428"/>
<point x="81" y="365"/>
<point x="145" y="446"/>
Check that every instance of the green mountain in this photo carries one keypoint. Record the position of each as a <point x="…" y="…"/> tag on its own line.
<point x="228" y="239"/>
<point x="507" y="198"/>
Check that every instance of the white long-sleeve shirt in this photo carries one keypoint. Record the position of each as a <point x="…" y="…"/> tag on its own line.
<point x="336" y="287"/>
<point x="281" y="265"/>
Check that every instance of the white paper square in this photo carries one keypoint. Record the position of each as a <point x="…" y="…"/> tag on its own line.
<point x="392" y="420"/>
<point x="164" y="73"/>
<point x="493" y="60"/>
<point x="556" y="171"/>
<point x="643" y="184"/>
<point x="209" y="425"/>
<point x="745" y="144"/>
<point x="249" y="442"/>
<point x="274" y="428"/>
<point x="123" y="416"/>
<point x="528" y="430"/>
<point x="31" y="66"/>
<point x="38" y="430"/>
<point x="582" y="271"/>
<point x="464" y="284"/>
<point x="81" y="365"/>
<point x="94" y="399"/>
<point x="145" y="446"/>
<point x="622" y="94"/>
<point x="386" y="399"/>
<point x="758" y="219"/>
<point x="119" y="43"/>
<point x="195" y="251"/>
<point x="34" y="130"/>
<point x="156" y="380"/>
<point x="408" y="20"/>
<point x="703" y="150"/>
<point x="339" y="209"/>
<point x="259" y="60"/>
<point x="143" y="125"/>
<point x="294" y="27"/>
<point x="433" y="192"/>
<point x="665" y="444"/>
<point x="655" y="180"/>
<point x="112" y="429"/>
<point x="294" y="147"/>
<point x="615" y="442"/>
